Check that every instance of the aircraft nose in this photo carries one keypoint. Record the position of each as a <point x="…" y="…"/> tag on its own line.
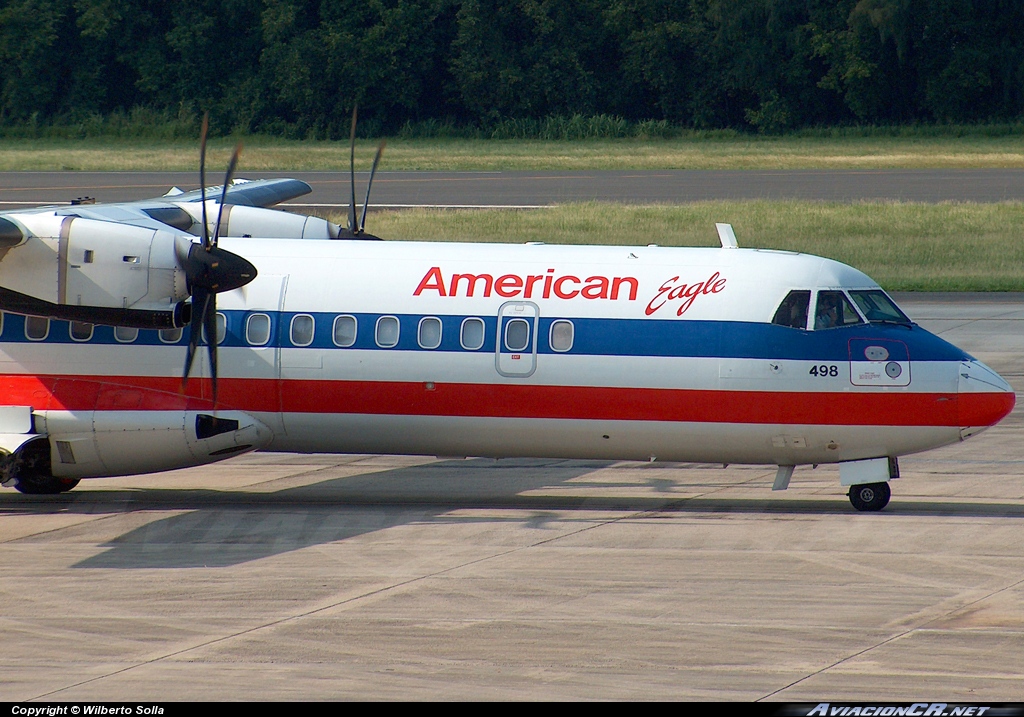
<point x="984" y="398"/>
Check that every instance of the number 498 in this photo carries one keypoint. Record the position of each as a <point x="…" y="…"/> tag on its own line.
<point x="824" y="370"/>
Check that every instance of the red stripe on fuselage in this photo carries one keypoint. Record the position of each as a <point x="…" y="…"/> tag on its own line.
<point x="127" y="393"/>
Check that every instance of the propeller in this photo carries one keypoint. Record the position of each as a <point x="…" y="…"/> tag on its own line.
<point x="210" y="270"/>
<point x="352" y="225"/>
<point x="373" y="171"/>
<point x="357" y="226"/>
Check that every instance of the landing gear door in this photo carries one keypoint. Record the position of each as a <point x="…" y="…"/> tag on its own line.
<point x="517" y="339"/>
<point x="879" y="362"/>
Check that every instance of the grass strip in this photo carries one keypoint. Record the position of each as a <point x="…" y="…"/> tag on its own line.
<point x="742" y="152"/>
<point x="903" y="246"/>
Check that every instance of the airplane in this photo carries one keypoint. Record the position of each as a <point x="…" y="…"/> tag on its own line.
<point x="337" y="345"/>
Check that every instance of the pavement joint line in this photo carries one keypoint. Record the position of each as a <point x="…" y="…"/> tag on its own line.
<point x="361" y="463"/>
<point x="966" y="322"/>
<point x="96" y="518"/>
<point x="346" y="601"/>
<point x="291" y="476"/>
<point x="923" y="626"/>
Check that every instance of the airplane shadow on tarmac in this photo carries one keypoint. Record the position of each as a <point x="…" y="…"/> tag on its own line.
<point x="224" y="528"/>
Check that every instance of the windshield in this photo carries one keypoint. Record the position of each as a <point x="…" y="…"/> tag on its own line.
<point x="879" y="308"/>
<point x="833" y="310"/>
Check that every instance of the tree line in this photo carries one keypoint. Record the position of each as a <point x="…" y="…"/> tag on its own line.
<point x="296" y="67"/>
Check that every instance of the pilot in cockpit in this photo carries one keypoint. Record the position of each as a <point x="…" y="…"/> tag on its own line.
<point x="827" y="314"/>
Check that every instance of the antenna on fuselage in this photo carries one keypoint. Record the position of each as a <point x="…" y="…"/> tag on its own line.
<point x="727" y="236"/>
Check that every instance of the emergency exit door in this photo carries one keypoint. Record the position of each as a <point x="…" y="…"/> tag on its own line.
<point x="517" y="338"/>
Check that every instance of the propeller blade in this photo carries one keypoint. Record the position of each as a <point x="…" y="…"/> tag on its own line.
<point x="224" y="192"/>
<point x="210" y="327"/>
<point x="373" y="170"/>
<point x="352" y="226"/>
<point x="202" y="174"/>
<point x="200" y="298"/>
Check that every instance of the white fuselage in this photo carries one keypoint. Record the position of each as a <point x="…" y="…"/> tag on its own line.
<point x="509" y="350"/>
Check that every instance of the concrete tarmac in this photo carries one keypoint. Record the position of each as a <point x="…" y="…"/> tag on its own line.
<point x="286" y="577"/>
<point x="529" y="189"/>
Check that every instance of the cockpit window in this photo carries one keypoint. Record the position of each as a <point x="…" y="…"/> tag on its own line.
<point x="792" y="312"/>
<point x="879" y="308"/>
<point x="833" y="310"/>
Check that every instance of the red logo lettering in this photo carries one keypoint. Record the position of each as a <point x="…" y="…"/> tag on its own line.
<point x="686" y="294"/>
<point x="537" y="286"/>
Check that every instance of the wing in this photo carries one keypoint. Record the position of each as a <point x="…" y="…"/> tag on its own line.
<point x="254" y="193"/>
<point x="181" y="210"/>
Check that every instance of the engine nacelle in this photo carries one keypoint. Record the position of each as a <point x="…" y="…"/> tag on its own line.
<point x="114" y="443"/>
<point x="240" y="221"/>
<point x="83" y="263"/>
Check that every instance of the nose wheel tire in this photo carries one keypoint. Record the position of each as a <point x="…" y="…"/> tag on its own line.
<point x="870" y="496"/>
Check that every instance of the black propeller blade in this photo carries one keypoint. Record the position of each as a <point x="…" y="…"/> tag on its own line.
<point x="352" y="226"/>
<point x="357" y="226"/>
<point x="202" y="171"/>
<point x="200" y="298"/>
<point x="210" y="270"/>
<point x="373" y="171"/>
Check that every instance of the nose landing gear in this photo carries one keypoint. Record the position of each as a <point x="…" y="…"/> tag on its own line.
<point x="870" y="496"/>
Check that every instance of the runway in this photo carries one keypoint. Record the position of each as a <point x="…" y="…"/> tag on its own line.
<point x="532" y="189"/>
<point x="283" y="577"/>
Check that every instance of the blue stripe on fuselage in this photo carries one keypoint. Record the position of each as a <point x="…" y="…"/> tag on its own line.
<point x="592" y="337"/>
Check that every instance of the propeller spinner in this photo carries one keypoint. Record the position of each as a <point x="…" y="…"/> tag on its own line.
<point x="210" y="270"/>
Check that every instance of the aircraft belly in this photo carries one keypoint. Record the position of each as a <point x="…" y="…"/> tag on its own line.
<point x="705" y="442"/>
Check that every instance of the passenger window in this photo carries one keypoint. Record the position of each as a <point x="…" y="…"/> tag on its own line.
<point x="222" y="329"/>
<point x="170" y="336"/>
<point x="257" y="329"/>
<point x="517" y="335"/>
<point x="792" y="312"/>
<point x="430" y="333"/>
<point x="472" y="335"/>
<point x="125" y="334"/>
<point x="561" y="336"/>
<point x="345" y="331"/>
<point x="833" y="310"/>
<point x="36" y="328"/>
<point x="80" y="331"/>
<point x="302" y="330"/>
<point x="387" y="332"/>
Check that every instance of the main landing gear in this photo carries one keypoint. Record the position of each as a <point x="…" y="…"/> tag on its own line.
<point x="43" y="484"/>
<point x="30" y="473"/>
<point x="870" y="496"/>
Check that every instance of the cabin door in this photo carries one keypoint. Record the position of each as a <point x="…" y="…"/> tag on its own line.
<point x="516" y="345"/>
